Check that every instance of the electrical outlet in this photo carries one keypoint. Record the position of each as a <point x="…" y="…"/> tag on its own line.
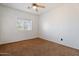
<point x="61" y="39"/>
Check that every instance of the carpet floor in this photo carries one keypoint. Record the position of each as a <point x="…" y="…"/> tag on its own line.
<point x="36" y="47"/>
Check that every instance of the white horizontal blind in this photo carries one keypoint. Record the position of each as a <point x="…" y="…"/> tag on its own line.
<point x="24" y="24"/>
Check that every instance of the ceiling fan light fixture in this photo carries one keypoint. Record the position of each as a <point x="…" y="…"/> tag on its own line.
<point x="34" y="7"/>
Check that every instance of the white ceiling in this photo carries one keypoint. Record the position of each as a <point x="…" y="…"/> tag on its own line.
<point x="24" y="7"/>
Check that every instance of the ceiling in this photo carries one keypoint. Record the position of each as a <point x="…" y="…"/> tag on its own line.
<point x="24" y="7"/>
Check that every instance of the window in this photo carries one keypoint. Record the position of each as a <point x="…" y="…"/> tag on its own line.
<point x="24" y="24"/>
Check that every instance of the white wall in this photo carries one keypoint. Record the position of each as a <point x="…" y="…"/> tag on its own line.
<point x="8" y="31"/>
<point x="61" y="22"/>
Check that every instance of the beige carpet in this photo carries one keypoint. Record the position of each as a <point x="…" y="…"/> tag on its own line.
<point x="36" y="47"/>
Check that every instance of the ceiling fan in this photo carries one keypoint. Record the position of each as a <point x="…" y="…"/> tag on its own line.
<point x="36" y="6"/>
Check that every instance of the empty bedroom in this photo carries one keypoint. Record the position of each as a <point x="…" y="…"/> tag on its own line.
<point x="39" y="29"/>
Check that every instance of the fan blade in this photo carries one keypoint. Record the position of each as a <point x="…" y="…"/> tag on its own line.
<point x="41" y="6"/>
<point x="38" y="5"/>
